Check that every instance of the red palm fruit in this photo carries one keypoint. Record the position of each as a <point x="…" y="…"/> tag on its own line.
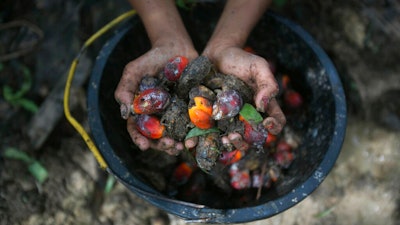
<point x="228" y="158"/>
<point x="293" y="99"/>
<point x="284" y="159"/>
<point x="285" y="82"/>
<point x="149" y="126"/>
<point x="255" y="135"/>
<point x="227" y="105"/>
<point x="271" y="139"/>
<point x="283" y="146"/>
<point x="150" y="101"/>
<point x="200" y="111"/>
<point x="240" y="179"/>
<point x="182" y="173"/>
<point x="174" y="67"/>
<point x="283" y="155"/>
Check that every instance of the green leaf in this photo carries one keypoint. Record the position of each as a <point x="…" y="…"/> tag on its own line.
<point x="198" y="132"/>
<point x="13" y="153"/>
<point x="109" y="184"/>
<point x="38" y="171"/>
<point x="8" y="94"/>
<point x="16" y="97"/>
<point x="27" y="104"/>
<point x="324" y="213"/>
<point x="35" y="168"/>
<point x="250" y="114"/>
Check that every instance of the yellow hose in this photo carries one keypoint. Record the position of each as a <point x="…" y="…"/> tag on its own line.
<point x="79" y="128"/>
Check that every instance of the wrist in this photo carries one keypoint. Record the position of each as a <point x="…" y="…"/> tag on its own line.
<point x="235" y="24"/>
<point x="176" y="45"/>
<point x="217" y="46"/>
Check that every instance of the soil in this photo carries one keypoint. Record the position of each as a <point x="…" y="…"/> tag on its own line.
<point x="361" y="37"/>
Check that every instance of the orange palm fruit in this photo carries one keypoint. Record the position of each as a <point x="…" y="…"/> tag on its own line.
<point x="271" y="139"/>
<point x="182" y="173"/>
<point x="200" y="112"/>
<point x="228" y="158"/>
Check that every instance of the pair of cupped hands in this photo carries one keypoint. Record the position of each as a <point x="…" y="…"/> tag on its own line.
<point x="252" y="69"/>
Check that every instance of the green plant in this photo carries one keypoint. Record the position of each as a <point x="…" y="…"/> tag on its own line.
<point x="17" y="97"/>
<point x="35" y="167"/>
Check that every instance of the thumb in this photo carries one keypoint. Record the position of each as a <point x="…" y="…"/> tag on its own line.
<point x="125" y="91"/>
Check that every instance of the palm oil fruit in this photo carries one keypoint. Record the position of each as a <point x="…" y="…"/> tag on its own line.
<point x="200" y="112"/>
<point x="174" y="68"/>
<point x="227" y="105"/>
<point x="149" y="126"/>
<point x="149" y="101"/>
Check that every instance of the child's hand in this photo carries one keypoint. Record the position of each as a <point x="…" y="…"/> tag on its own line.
<point x="255" y="71"/>
<point x="150" y="63"/>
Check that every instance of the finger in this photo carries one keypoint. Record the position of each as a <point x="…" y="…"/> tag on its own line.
<point x="126" y="88"/>
<point x="173" y="151"/>
<point x="237" y="140"/>
<point x="179" y="146"/>
<point x="132" y="75"/>
<point x="276" y="120"/>
<point x="266" y="86"/>
<point x="191" y="142"/>
<point x="141" y="141"/>
<point x="176" y="149"/>
<point x="162" y="144"/>
<point x="226" y="143"/>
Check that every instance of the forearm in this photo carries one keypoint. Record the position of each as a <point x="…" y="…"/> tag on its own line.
<point x="161" y="20"/>
<point x="235" y="24"/>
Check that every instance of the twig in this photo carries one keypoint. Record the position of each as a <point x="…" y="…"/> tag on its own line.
<point x="263" y="171"/>
<point x="19" y="52"/>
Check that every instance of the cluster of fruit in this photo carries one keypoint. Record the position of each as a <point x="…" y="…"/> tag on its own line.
<point x="191" y="99"/>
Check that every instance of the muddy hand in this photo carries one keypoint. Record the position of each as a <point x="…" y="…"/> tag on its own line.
<point x="163" y="144"/>
<point x="148" y="64"/>
<point x="255" y="71"/>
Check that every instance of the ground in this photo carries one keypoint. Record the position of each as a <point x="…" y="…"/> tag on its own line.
<point x="361" y="37"/>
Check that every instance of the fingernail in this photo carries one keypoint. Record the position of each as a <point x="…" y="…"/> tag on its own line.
<point x="124" y="111"/>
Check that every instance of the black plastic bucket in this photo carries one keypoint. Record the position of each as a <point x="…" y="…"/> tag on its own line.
<point x="292" y="48"/>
